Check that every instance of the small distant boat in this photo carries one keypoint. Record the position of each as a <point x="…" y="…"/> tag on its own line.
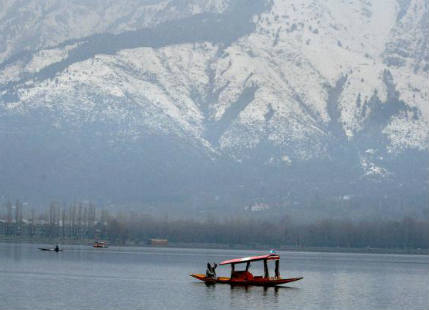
<point x="99" y="244"/>
<point x="56" y="249"/>
<point x="244" y="277"/>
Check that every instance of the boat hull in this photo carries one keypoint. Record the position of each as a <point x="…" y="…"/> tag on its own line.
<point x="50" y="250"/>
<point x="255" y="281"/>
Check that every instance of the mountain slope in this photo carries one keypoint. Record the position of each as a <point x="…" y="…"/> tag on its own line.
<point x="259" y="101"/>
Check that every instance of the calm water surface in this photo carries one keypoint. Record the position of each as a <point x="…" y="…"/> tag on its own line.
<point x="158" y="278"/>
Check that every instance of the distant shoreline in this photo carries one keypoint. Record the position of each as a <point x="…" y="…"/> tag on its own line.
<point x="300" y="249"/>
<point x="256" y="247"/>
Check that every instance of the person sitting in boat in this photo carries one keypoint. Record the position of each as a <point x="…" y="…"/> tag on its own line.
<point x="57" y="248"/>
<point x="211" y="270"/>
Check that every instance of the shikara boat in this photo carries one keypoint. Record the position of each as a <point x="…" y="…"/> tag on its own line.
<point x="99" y="244"/>
<point x="244" y="277"/>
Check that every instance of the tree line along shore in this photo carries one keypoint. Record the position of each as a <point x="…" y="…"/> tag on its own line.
<point x="83" y="222"/>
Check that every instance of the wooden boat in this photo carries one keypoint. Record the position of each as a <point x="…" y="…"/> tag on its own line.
<point x="244" y="277"/>
<point x="99" y="244"/>
<point x="51" y="250"/>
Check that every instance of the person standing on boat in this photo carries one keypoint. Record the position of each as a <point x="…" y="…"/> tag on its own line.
<point x="211" y="270"/>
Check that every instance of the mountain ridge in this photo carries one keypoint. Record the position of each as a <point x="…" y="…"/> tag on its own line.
<point x="278" y="84"/>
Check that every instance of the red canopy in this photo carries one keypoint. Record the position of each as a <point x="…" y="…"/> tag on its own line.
<point x="250" y="259"/>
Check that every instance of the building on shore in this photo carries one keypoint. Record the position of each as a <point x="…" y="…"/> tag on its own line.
<point x="158" y="242"/>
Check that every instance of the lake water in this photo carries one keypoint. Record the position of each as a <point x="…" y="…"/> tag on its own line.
<point x="158" y="278"/>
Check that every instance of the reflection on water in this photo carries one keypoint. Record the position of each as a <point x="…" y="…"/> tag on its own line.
<point x="158" y="278"/>
<point x="13" y="252"/>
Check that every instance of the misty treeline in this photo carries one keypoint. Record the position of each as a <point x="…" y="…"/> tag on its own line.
<point x="83" y="221"/>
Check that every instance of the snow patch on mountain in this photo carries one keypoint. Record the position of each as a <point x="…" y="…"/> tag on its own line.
<point x="284" y="83"/>
<point x="34" y="25"/>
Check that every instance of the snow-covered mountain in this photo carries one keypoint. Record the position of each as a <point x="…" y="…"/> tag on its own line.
<point x="221" y="101"/>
